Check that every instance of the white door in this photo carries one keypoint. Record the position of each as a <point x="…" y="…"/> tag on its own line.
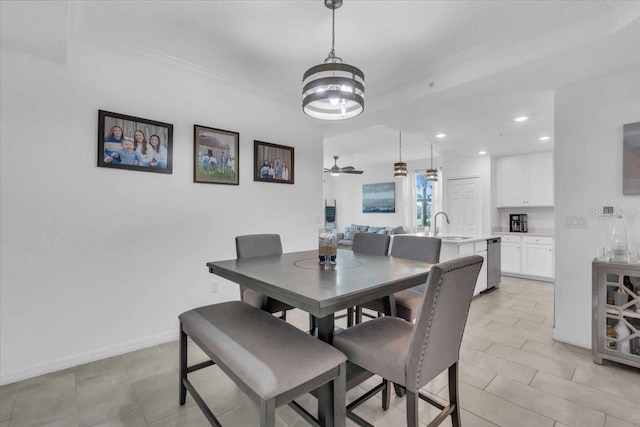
<point x="463" y="207"/>
<point x="471" y="221"/>
<point x="455" y="208"/>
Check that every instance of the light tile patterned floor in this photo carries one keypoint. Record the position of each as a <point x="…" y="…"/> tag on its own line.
<point x="512" y="373"/>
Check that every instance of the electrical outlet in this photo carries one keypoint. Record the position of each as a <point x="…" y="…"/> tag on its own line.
<point x="214" y="287"/>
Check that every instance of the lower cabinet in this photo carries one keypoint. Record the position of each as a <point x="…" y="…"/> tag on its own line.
<point x="476" y="248"/>
<point x="510" y="257"/>
<point x="527" y="256"/>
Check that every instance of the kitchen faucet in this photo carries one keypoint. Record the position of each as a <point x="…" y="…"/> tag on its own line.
<point x="435" y="227"/>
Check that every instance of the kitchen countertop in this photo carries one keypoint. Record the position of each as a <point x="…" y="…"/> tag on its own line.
<point x="471" y="239"/>
<point x="506" y="233"/>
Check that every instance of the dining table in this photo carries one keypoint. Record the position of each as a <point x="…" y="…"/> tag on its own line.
<point x="321" y="289"/>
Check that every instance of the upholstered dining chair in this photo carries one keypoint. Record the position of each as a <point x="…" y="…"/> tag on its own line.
<point x="371" y="243"/>
<point x="256" y="245"/>
<point x="412" y="355"/>
<point x="419" y="248"/>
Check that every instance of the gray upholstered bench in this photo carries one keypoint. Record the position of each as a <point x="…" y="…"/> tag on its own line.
<point x="270" y="360"/>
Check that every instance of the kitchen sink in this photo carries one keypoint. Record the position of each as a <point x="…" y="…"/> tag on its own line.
<point x="454" y="237"/>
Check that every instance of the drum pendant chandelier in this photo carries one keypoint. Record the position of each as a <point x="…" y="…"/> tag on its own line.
<point x="400" y="168"/>
<point x="333" y="90"/>
<point x="432" y="174"/>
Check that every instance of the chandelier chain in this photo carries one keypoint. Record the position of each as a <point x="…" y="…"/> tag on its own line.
<point x="332" y="54"/>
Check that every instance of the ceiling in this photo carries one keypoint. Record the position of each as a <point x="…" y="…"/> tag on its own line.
<point x="464" y="68"/>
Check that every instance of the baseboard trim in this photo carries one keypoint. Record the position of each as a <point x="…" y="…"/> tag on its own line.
<point x="89" y="356"/>
<point x="536" y="278"/>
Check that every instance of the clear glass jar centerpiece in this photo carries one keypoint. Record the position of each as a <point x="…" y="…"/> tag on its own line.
<point x="327" y="245"/>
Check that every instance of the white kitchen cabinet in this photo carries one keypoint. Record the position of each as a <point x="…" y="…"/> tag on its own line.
<point x="540" y="179"/>
<point x="510" y="257"/>
<point x="451" y="250"/>
<point x="511" y="181"/>
<point x="525" y="180"/>
<point x="537" y="256"/>
<point x="480" y="248"/>
<point x="527" y="256"/>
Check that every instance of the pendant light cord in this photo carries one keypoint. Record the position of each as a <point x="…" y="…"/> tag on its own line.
<point x="431" y="156"/>
<point x="332" y="55"/>
<point x="400" y="147"/>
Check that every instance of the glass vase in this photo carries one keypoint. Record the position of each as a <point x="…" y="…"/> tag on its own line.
<point x="327" y="246"/>
<point x="619" y="245"/>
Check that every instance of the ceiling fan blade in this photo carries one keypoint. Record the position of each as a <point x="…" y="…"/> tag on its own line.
<point x="338" y="170"/>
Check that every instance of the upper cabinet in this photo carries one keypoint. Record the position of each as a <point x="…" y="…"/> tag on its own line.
<point x="525" y="180"/>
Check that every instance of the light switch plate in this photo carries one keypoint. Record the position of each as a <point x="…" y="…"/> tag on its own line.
<point x="576" y="222"/>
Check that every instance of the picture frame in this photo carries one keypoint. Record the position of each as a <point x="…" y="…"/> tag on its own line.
<point x="134" y="143"/>
<point x="379" y="198"/>
<point x="273" y="162"/>
<point x="216" y="156"/>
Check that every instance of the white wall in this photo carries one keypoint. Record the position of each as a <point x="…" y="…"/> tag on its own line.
<point x="588" y="175"/>
<point x="98" y="261"/>
<point x="346" y="190"/>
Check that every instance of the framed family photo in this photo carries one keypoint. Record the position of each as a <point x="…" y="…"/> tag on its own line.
<point x="216" y="156"/>
<point x="273" y="163"/>
<point x="127" y="142"/>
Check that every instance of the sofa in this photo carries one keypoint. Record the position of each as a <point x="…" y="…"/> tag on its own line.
<point x="345" y="239"/>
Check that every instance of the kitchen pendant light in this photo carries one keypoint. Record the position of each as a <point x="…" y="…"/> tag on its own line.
<point x="400" y="168"/>
<point x="432" y="174"/>
<point x="333" y="90"/>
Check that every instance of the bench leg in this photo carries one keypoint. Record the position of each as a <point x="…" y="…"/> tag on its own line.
<point x="183" y="365"/>
<point x="268" y="413"/>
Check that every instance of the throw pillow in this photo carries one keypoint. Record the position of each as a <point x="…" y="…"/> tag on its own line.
<point x="353" y="228"/>
<point x="374" y="229"/>
<point x="397" y="230"/>
<point x="348" y="235"/>
<point x="383" y="231"/>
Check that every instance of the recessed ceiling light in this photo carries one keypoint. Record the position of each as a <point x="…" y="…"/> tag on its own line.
<point x="482" y="153"/>
<point x="521" y="118"/>
<point x="441" y="135"/>
<point x="544" y="138"/>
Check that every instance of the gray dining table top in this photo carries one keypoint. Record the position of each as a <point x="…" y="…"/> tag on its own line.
<point x="298" y="279"/>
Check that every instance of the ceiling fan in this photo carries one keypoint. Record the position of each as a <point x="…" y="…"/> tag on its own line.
<point x="336" y="170"/>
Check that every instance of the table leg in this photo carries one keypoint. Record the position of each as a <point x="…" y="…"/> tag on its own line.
<point x="325" y="327"/>
<point x="390" y="306"/>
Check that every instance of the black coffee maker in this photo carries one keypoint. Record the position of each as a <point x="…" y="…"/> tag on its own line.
<point x="518" y="223"/>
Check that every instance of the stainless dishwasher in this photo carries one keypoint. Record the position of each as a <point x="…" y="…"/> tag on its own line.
<point x="494" y="269"/>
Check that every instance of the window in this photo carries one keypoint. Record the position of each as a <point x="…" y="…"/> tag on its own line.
<point x="424" y="198"/>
